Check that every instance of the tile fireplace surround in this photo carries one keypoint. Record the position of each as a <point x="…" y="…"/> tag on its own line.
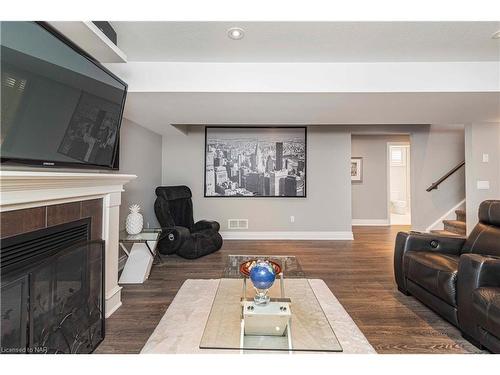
<point x="26" y="189"/>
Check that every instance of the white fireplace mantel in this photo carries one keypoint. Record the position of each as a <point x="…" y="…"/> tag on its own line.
<point x="26" y="189"/>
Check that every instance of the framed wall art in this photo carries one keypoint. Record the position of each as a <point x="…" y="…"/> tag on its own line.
<point x="255" y="161"/>
<point x="357" y="169"/>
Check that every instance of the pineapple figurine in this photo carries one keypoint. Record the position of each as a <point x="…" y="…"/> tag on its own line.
<point x="134" y="222"/>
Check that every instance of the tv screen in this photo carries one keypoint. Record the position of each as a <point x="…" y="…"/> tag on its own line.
<point x="59" y="107"/>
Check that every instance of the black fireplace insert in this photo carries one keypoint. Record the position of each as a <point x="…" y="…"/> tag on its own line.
<point x="52" y="291"/>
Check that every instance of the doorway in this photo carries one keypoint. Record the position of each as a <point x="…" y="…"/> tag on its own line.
<point x="399" y="192"/>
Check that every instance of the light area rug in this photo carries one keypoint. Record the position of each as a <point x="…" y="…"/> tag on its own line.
<point x="181" y="328"/>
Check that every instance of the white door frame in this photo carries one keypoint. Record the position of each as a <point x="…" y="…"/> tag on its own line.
<point x="408" y="174"/>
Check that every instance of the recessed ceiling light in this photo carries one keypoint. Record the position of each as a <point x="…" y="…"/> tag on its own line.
<point x="496" y="35"/>
<point x="235" y="33"/>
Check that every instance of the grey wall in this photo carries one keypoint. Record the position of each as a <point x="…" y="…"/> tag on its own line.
<point x="369" y="197"/>
<point x="434" y="151"/>
<point x="479" y="139"/>
<point x="140" y="154"/>
<point x="326" y="208"/>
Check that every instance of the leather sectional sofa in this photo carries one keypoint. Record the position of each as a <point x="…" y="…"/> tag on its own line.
<point x="457" y="277"/>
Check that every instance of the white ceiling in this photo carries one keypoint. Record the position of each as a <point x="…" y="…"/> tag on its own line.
<point x="301" y="42"/>
<point x="158" y="110"/>
<point x="309" y="41"/>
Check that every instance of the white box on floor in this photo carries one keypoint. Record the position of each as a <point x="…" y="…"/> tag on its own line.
<point x="138" y="265"/>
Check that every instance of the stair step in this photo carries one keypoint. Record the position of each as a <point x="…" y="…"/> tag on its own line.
<point x="444" y="233"/>
<point x="455" y="226"/>
<point x="460" y="215"/>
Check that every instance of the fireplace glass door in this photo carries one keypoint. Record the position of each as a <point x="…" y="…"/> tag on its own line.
<point x="54" y="304"/>
<point x="66" y="307"/>
<point x="14" y="310"/>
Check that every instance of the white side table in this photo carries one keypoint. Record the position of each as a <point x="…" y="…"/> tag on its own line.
<point x="141" y="255"/>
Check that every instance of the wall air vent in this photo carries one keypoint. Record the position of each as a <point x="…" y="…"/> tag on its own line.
<point x="237" y="224"/>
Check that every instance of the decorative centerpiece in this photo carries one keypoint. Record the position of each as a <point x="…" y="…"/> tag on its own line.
<point x="262" y="273"/>
<point x="135" y="221"/>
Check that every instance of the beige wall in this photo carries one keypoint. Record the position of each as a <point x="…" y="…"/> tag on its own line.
<point x="327" y="206"/>
<point x="179" y="160"/>
<point x="140" y="154"/>
<point x="481" y="139"/>
<point x="434" y="151"/>
<point x="369" y="197"/>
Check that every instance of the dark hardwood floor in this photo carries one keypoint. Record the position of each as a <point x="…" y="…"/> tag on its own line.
<point x="359" y="273"/>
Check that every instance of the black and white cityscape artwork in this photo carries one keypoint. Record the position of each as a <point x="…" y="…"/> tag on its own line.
<point x="255" y="161"/>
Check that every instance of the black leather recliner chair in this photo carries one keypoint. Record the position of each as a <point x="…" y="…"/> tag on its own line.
<point x="180" y="234"/>
<point x="457" y="277"/>
<point x="478" y="285"/>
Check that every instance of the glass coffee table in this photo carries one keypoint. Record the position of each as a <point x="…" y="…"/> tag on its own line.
<point x="307" y="329"/>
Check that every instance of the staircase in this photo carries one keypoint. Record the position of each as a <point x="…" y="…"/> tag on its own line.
<point x="454" y="227"/>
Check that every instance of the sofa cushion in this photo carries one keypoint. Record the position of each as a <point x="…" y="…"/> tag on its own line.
<point x="489" y="212"/>
<point x="484" y="238"/>
<point x="200" y="244"/>
<point x="486" y="303"/>
<point x="435" y="272"/>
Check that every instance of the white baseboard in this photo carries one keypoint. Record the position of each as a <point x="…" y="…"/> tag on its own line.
<point x="113" y="300"/>
<point x="449" y="215"/>
<point x="112" y="309"/>
<point x="322" y="235"/>
<point x="371" y="222"/>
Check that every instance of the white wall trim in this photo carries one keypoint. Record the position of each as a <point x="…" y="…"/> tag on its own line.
<point x="438" y="224"/>
<point x="272" y="235"/>
<point x="371" y="222"/>
<point x="91" y="39"/>
<point x="143" y="76"/>
<point x="23" y="189"/>
<point x="114" y="307"/>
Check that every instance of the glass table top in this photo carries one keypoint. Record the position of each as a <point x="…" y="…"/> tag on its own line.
<point x="147" y="234"/>
<point x="308" y="330"/>
<point x="290" y="265"/>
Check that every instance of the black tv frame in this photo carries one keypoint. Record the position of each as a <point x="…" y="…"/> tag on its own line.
<point x="67" y="164"/>
<point x="254" y="127"/>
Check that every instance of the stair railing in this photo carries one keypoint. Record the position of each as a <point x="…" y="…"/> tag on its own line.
<point x="435" y="185"/>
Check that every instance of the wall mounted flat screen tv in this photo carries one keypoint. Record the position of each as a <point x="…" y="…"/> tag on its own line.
<point x="59" y="107"/>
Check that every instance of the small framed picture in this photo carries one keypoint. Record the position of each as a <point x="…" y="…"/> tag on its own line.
<point x="356" y="169"/>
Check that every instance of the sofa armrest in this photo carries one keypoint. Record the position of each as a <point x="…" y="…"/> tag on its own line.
<point x="206" y="224"/>
<point x="474" y="271"/>
<point x="416" y="241"/>
<point x="172" y="238"/>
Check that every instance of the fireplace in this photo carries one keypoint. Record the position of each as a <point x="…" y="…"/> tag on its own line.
<point x="32" y="200"/>
<point x="52" y="290"/>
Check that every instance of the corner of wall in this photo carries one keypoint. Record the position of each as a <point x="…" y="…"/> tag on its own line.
<point x="481" y="138"/>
